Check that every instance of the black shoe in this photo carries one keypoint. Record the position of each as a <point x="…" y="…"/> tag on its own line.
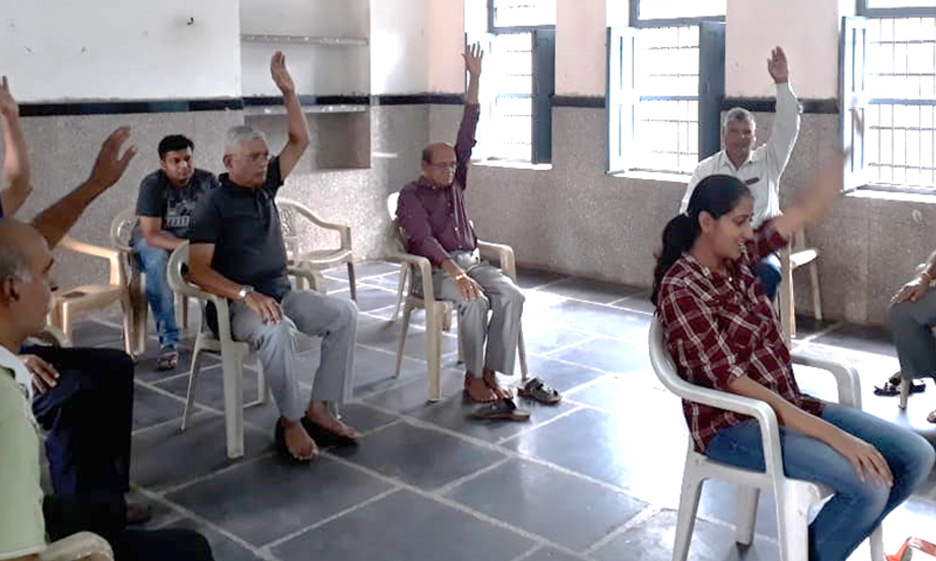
<point x="323" y="436"/>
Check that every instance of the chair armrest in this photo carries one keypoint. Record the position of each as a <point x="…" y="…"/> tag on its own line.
<point x="53" y="336"/>
<point x="307" y="274"/>
<point x="846" y="377"/>
<point x="502" y="254"/>
<point x="76" y="547"/>
<point x="423" y="266"/>
<point x="112" y="255"/>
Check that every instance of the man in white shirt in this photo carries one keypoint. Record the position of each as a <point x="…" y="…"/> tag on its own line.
<point x="760" y="169"/>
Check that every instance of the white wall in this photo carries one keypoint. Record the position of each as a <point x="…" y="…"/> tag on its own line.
<point x="580" y="47"/>
<point x="808" y="30"/>
<point x="399" y="46"/>
<point x="446" y="42"/>
<point x="120" y="49"/>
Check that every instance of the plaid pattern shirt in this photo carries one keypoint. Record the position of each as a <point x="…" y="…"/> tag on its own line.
<point x="719" y="326"/>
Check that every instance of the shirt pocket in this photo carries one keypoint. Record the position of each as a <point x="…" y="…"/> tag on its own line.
<point x="740" y="325"/>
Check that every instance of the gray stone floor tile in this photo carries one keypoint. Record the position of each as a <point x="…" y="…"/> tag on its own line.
<point x="529" y="279"/>
<point x="559" y="507"/>
<point x="608" y="355"/>
<point x="223" y="548"/>
<point x="653" y="541"/>
<point x="277" y="496"/>
<point x="151" y="408"/>
<point x="608" y="321"/>
<point x="599" y="292"/>
<point x="562" y="376"/>
<point x="405" y="527"/>
<point x="164" y="457"/>
<point x="550" y="554"/>
<point x="544" y="337"/>
<point x="420" y="457"/>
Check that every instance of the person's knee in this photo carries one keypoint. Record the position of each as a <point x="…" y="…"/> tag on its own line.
<point x="917" y="457"/>
<point x="479" y="305"/>
<point x="508" y="300"/>
<point x="901" y="315"/>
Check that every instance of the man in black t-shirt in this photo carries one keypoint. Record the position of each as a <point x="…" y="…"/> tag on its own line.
<point x="165" y="206"/>
<point x="238" y="253"/>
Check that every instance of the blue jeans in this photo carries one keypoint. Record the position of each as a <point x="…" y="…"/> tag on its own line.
<point x="161" y="299"/>
<point x="768" y="271"/>
<point x="857" y="508"/>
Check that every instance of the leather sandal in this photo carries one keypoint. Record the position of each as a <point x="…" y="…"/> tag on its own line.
<point x="501" y="410"/>
<point x="537" y="390"/>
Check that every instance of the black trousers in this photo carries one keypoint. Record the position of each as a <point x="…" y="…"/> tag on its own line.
<point x="65" y="516"/>
<point x="88" y="417"/>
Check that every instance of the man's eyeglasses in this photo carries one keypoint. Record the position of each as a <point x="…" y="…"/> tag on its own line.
<point x="255" y="158"/>
<point x="444" y="165"/>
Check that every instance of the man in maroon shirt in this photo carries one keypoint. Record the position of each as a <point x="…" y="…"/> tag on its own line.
<point x="433" y="216"/>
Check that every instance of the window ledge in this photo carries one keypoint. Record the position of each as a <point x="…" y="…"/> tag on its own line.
<point x="512" y="165"/>
<point x="671" y="177"/>
<point x="889" y="195"/>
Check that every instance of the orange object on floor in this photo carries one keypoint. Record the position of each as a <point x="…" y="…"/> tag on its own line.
<point x="911" y="546"/>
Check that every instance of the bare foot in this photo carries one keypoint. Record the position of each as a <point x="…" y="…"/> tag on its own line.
<point x="300" y="446"/>
<point x="490" y="380"/>
<point x="320" y="414"/>
<point x="477" y="390"/>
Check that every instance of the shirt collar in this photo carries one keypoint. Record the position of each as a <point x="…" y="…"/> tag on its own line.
<point x="726" y="161"/>
<point x="11" y="361"/>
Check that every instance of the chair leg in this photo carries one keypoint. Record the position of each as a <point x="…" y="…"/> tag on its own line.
<point x="904" y="393"/>
<point x="194" y="371"/>
<point x="792" y="518"/>
<point x="185" y="307"/>
<point x="351" y="281"/>
<point x="876" y="541"/>
<point x="746" y="514"/>
<point x="521" y="352"/>
<point x="404" y="274"/>
<point x="233" y="372"/>
<point x="262" y="391"/>
<point x="461" y="348"/>
<point x="65" y="319"/>
<point x="139" y="306"/>
<point x="129" y="337"/>
<point x="686" y="516"/>
<point x="434" y="349"/>
<point x="816" y="299"/>
<point x="407" y="311"/>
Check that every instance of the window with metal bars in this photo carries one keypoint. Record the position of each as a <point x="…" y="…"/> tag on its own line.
<point x="519" y="80"/>
<point x="889" y="76"/>
<point x="665" y="84"/>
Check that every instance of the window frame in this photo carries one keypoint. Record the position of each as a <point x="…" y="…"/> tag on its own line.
<point x="543" y="86"/>
<point x="859" y="180"/>
<point x="707" y="103"/>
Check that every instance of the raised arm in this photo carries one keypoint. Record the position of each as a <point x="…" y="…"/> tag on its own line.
<point x="56" y="220"/>
<point x="787" y="119"/>
<point x="469" y="124"/>
<point x="298" y="128"/>
<point x="16" y="186"/>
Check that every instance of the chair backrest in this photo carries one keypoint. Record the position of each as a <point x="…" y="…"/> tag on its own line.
<point x="289" y="226"/>
<point x="121" y="227"/>
<point x="392" y="200"/>
<point x="177" y="260"/>
<point x="663" y="364"/>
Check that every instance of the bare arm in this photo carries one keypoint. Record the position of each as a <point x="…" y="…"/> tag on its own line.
<point x="55" y="221"/>
<point x="155" y="236"/>
<point x="202" y="274"/>
<point x="298" y="128"/>
<point x="16" y="186"/>
<point x="865" y="458"/>
<point x="473" y="57"/>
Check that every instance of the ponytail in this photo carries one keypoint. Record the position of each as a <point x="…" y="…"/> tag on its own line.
<point x="716" y="195"/>
<point x="678" y="236"/>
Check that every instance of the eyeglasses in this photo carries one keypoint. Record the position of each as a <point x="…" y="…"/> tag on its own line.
<point x="255" y="158"/>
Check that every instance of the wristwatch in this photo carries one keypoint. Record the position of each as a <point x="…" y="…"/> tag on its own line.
<point x="244" y="291"/>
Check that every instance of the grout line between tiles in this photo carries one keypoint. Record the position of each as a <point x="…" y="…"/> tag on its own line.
<point x="232" y="465"/>
<point x="644" y="515"/>
<point x="471" y="476"/>
<point x="575" y="408"/>
<point x="528" y="553"/>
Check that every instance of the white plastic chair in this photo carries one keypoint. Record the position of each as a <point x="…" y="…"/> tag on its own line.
<point x="793" y="497"/>
<point x="67" y="304"/>
<point x="797" y="256"/>
<point x="83" y="546"/>
<point x="438" y="312"/>
<point x="120" y="230"/>
<point x="315" y="260"/>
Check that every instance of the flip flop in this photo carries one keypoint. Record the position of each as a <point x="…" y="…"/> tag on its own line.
<point x="931" y="417"/>
<point x="167" y="360"/>
<point x="890" y="388"/>
<point x="500" y="410"/>
<point x="325" y="437"/>
<point x="279" y="443"/>
<point x="537" y="390"/>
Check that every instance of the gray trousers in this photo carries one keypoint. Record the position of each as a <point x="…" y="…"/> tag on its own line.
<point x="332" y="319"/>
<point x="911" y="326"/>
<point x="486" y="344"/>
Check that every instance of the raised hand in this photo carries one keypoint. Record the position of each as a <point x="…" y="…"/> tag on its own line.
<point x="473" y="57"/>
<point x="110" y="165"/>
<point x="8" y="105"/>
<point x="280" y="74"/>
<point x="777" y="66"/>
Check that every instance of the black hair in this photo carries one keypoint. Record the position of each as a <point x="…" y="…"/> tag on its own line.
<point x="717" y="195"/>
<point x="174" y="142"/>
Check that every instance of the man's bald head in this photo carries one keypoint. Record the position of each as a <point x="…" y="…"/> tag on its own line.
<point x="25" y="294"/>
<point x="438" y="164"/>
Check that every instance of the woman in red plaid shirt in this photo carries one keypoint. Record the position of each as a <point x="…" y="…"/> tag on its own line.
<point x="723" y="333"/>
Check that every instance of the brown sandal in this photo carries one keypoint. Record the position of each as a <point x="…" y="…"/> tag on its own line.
<point x="167" y="360"/>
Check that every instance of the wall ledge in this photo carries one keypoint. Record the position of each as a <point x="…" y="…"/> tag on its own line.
<point x="896" y="196"/>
